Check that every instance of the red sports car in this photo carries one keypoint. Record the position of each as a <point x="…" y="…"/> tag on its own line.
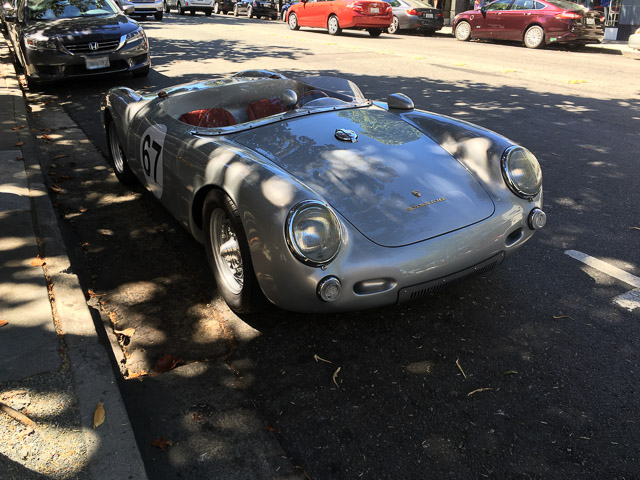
<point x="534" y="22"/>
<point x="336" y="15"/>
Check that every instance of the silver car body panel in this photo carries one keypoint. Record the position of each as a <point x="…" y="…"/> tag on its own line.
<point x="268" y="169"/>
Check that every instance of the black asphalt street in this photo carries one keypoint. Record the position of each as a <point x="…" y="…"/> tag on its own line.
<point x="528" y="372"/>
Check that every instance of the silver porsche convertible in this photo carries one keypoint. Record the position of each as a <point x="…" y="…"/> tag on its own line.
<point x="309" y="196"/>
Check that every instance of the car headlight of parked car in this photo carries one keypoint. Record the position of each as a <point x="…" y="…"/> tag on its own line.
<point x="39" y="42"/>
<point x="521" y="171"/>
<point x="313" y="233"/>
<point x="135" y="35"/>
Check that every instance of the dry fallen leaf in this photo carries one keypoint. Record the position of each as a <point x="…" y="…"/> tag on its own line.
<point x="511" y="372"/>
<point x="127" y="332"/>
<point x="55" y="189"/>
<point x="577" y="81"/>
<point x="3" y="323"/>
<point x="161" y="443"/>
<point x="557" y="317"/>
<point x="60" y="156"/>
<point x="19" y="144"/>
<point x="166" y="362"/>
<point x="98" y="415"/>
<point x="82" y="209"/>
<point x="335" y="376"/>
<point x="38" y="262"/>
<point x="634" y="228"/>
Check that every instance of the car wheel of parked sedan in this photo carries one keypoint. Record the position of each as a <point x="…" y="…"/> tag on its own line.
<point x="534" y="37"/>
<point x="228" y="254"/>
<point x="207" y="13"/>
<point x="249" y="11"/>
<point x="293" y="21"/>
<point x="192" y="11"/>
<point x="333" y="25"/>
<point x="394" y="27"/>
<point x="179" y="8"/>
<point x="167" y="9"/>
<point x="375" y="32"/>
<point x="463" y="31"/>
<point x="235" y="10"/>
<point x="117" y="157"/>
<point x="158" y="16"/>
<point x="216" y="8"/>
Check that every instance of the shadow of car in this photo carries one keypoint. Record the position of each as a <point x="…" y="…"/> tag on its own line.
<point x="58" y="39"/>
<point x="536" y="23"/>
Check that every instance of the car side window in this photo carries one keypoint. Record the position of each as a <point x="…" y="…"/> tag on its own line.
<point x="522" y="5"/>
<point x="499" y="5"/>
<point x="394" y="3"/>
<point x="538" y="6"/>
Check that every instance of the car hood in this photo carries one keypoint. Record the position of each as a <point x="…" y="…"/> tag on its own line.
<point x="394" y="184"/>
<point x="98" y="26"/>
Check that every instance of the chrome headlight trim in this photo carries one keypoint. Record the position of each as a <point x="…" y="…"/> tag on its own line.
<point x="527" y="183"/>
<point x="325" y="249"/>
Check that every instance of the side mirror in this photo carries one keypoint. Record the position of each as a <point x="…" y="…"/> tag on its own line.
<point x="483" y="9"/>
<point x="129" y="9"/>
<point x="399" y="101"/>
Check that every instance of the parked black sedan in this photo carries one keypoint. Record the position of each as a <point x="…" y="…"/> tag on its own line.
<point x="256" y="8"/>
<point x="57" y="39"/>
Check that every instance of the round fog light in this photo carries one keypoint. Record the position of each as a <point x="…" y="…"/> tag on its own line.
<point x="537" y="219"/>
<point x="329" y="289"/>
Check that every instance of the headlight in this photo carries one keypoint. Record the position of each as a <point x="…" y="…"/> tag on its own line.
<point x="39" y="42"/>
<point x="521" y="171"/>
<point x="313" y="233"/>
<point x="135" y="35"/>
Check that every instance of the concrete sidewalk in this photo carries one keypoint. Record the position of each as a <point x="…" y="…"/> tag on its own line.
<point x="53" y="368"/>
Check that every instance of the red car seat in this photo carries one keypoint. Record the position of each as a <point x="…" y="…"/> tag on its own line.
<point x="265" y="108"/>
<point x="211" y="118"/>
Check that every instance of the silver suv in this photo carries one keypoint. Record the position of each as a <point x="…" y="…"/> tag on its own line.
<point x="191" y="6"/>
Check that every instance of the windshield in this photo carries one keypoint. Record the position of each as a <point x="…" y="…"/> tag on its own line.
<point x="567" y="5"/>
<point x="246" y="102"/>
<point x="55" y="9"/>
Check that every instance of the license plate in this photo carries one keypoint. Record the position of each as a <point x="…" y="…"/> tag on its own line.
<point x="428" y="15"/>
<point x="591" y="21"/>
<point x="374" y="10"/>
<point x="94" y="63"/>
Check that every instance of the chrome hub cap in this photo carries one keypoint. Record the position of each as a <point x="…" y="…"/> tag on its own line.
<point x="116" y="149"/>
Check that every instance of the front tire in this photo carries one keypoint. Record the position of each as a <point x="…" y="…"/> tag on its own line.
<point x="117" y="157"/>
<point x="463" y="31"/>
<point x="158" y="16"/>
<point x="229" y="256"/>
<point x="293" y="22"/>
<point x="179" y="8"/>
<point x="333" y="25"/>
<point x="375" y="32"/>
<point x="534" y="37"/>
<point x="207" y="13"/>
<point x="167" y="9"/>
<point x="394" y="27"/>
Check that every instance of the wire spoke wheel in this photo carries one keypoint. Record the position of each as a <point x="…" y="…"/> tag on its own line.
<point x="226" y="251"/>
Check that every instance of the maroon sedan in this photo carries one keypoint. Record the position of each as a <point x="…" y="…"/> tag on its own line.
<point x="336" y="15"/>
<point x="534" y="22"/>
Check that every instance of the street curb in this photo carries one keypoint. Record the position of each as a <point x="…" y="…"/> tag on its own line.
<point x="111" y="449"/>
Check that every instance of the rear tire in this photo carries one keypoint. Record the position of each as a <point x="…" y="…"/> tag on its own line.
<point x="394" y="27"/>
<point x="167" y="9"/>
<point x="117" y="157"/>
<point x="229" y="256"/>
<point x="534" y="37"/>
<point x="293" y="22"/>
<point x="463" y="31"/>
<point x="179" y="8"/>
<point x="333" y="25"/>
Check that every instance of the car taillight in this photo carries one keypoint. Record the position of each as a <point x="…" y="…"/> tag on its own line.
<point x="413" y="11"/>
<point x="440" y="15"/>
<point x="356" y="6"/>
<point x="602" y="19"/>
<point x="571" y="15"/>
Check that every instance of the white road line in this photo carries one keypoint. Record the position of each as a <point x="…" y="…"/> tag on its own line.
<point x="629" y="300"/>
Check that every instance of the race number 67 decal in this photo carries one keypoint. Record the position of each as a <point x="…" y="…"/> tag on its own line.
<point x="151" y="153"/>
